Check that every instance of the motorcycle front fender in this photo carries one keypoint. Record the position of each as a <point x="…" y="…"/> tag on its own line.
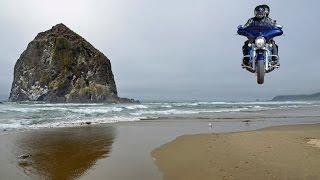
<point x="260" y="57"/>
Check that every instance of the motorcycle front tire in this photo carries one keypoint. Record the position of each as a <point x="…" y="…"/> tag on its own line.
<point x="260" y="72"/>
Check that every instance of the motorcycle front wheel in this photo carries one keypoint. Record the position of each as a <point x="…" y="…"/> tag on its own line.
<point x="260" y="72"/>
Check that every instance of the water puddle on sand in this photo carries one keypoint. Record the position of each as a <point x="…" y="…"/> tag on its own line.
<point x="314" y="142"/>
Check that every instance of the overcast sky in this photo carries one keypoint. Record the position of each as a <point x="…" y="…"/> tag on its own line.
<point x="173" y="49"/>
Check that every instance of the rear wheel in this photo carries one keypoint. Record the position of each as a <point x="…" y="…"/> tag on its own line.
<point x="260" y="72"/>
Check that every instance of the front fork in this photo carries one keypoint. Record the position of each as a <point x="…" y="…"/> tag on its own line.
<point x="259" y="56"/>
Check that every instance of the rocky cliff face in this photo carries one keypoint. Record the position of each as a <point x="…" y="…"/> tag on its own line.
<point x="61" y="66"/>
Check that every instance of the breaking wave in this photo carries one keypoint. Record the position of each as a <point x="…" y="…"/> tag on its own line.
<point x="30" y="115"/>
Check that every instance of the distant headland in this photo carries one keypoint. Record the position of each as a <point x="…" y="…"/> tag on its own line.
<point x="311" y="97"/>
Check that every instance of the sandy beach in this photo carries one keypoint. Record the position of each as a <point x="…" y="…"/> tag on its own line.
<point x="284" y="152"/>
<point x="171" y="148"/>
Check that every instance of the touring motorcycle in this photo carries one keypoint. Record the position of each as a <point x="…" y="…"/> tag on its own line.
<point x="261" y="58"/>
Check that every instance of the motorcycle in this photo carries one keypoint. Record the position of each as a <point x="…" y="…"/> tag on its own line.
<point x="260" y="49"/>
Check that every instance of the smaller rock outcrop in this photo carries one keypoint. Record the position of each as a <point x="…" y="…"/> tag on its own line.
<point x="61" y="66"/>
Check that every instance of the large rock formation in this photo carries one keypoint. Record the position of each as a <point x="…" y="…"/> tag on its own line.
<point x="61" y="66"/>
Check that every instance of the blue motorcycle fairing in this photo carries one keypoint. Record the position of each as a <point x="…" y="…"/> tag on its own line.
<point x="252" y="32"/>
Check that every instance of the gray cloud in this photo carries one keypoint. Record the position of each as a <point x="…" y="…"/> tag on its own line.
<point x="173" y="49"/>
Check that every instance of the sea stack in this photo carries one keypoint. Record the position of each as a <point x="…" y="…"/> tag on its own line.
<point x="61" y="66"/>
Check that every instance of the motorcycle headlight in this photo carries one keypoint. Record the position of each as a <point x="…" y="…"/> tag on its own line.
<point x="260" y="41"/>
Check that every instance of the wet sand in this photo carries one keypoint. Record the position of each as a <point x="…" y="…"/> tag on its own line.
<point x="284" y="152"/>
<point x="64" y="153"/>
<point x="122" y="151"/>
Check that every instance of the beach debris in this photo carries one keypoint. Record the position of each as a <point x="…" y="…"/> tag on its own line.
<point x="24" y="156"/>
<point x="86" y="123"/>
<point x="314" y="142"/>
<point x="24" y="164"/>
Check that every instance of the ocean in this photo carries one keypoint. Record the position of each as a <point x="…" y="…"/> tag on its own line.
<point x="35" y="115"/>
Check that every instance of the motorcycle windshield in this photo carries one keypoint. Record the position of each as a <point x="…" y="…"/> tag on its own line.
<point x="253" y="32"/>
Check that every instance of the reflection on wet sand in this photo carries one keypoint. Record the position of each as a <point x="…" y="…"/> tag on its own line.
<point x="65" y="153"/>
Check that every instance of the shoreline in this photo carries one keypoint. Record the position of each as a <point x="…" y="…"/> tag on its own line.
<point x="295" y="114"/>
<point x="122" y="150"/>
